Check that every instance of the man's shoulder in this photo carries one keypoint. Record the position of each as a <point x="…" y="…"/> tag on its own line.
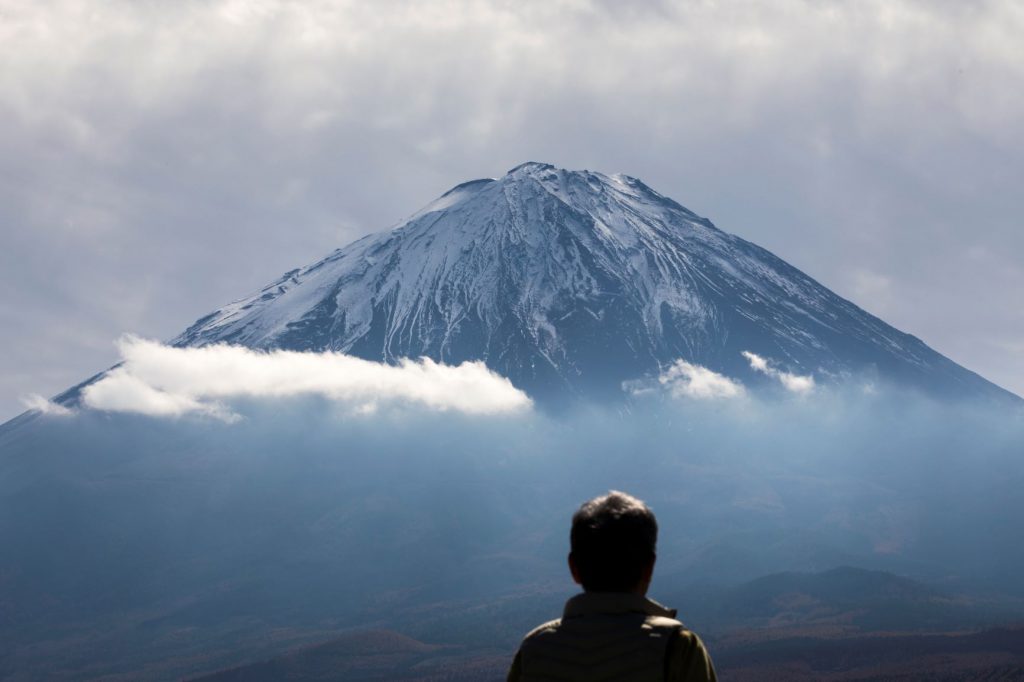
<point x="550" y="626"/>
<point x="661" y="624"/>
<point x="664" y="623"/>
<point x="687" y="658"/>
<point x="686" y="636"/>
<point x="615" y="625"/>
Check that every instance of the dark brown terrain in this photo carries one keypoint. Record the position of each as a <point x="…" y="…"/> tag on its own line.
<point x="763" y="656"/>
<point x="996" y="654"/>
<point x="372" y="655"/>
<point x="844" y="624"/>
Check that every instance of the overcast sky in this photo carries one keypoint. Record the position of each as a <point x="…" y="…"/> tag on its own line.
<point x="159" y="159"/>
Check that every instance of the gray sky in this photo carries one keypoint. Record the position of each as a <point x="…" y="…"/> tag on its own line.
<point x="159" y="159"/>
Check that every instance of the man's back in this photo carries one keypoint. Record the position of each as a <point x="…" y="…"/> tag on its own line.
<point x="612" y="636"/>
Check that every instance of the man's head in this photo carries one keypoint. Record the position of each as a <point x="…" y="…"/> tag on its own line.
<point x="613" y="543"/>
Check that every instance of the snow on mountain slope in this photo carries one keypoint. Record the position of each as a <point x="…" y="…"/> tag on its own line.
<point x="572" y="282"/>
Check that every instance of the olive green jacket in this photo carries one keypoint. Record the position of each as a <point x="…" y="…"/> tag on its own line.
<point x="612" y="636"/>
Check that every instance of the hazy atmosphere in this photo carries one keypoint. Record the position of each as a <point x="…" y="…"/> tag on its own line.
<point x="200" y="544"/>
<point x="158" y="160"/>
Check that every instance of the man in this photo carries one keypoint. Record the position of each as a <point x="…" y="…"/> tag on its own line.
<point x="612" y="631"/>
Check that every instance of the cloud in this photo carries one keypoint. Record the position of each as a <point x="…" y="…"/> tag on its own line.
<point x="757" y="363"/>
<point x="684" y="379"/>
<point x="873" y="290"/>
<point x="122" y="391"/>
<point x="164" y="381"/>
<point x="794" y="383"/>
<point x="37" y="402"/>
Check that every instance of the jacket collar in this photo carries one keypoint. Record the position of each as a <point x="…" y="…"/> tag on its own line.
<point x="588" y="603"/>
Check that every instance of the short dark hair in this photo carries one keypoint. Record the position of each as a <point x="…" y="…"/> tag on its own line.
<point x="613" y="541"/>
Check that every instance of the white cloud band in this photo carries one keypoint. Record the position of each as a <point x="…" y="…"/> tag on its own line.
<point x="40" y="404"/>
<point x="684" y="379"/>
<point x="160" y="380"/>
<point x="794" y="383"/>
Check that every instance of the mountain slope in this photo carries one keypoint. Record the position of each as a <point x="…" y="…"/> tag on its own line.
<point x="572" y="282"/>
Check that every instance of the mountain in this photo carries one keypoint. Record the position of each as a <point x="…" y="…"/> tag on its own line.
<point x="846" y="598"/>
<point x="571" y="283"/>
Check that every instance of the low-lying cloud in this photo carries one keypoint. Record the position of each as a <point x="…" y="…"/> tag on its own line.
<point x="165" y="381"/>
<point x="684" y="379"/>
<point x="687" y="380"/>
<point x="795" y="383"/>
<point x="34" y="401"/>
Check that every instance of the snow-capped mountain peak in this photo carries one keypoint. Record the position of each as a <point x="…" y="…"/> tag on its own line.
<point x="573" y="282"/>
